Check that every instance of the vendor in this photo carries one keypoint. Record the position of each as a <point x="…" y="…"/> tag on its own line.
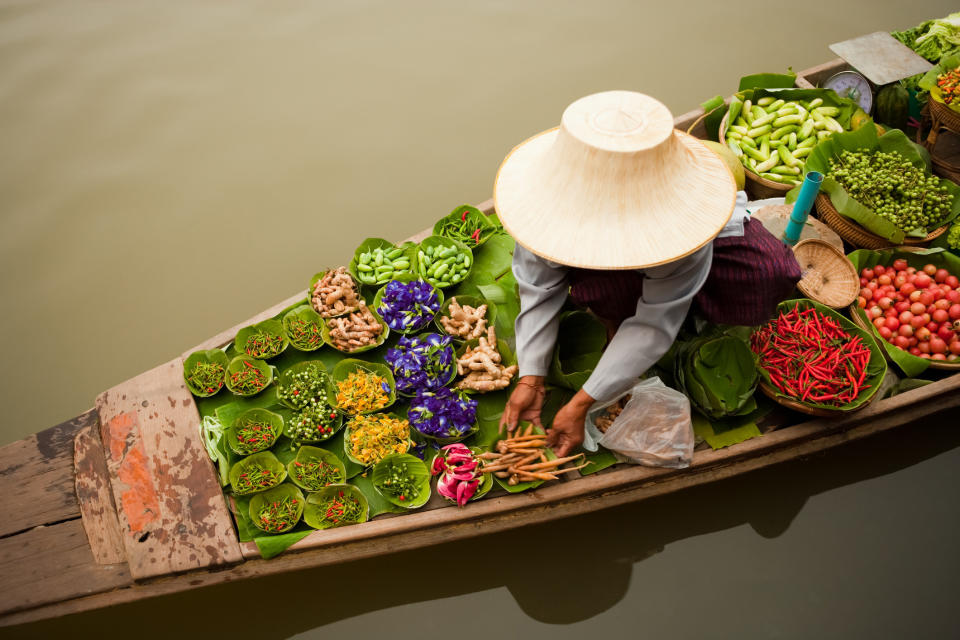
<point x="620" y="210"/>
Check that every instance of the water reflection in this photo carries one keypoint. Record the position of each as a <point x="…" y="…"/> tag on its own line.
<point x="559" y="573"/>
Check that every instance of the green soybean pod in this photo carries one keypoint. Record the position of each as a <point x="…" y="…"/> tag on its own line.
<point x="816" y="102"/>
<point x="759" y="131"/>
<point x="792" y="141"/>
<point x="364" y="258"/>
<point x="467" y="260"/>
<point x="783" y="131"/>
<point x="806" y="129"/>
<point x="787" y="157"/>
<point x="809" y="142"/>
<point x="755" y="154"/>
<point x="395" y="253"/>
<point x="776" y="177"/>
<point x="748" y="141"/>
<point x="361" y="266"/>
<point x="767" y="118"/>
<point x="774" y="106"/>
<point x="776" y="143"/>
<point x="802" y="152"/>
<point x="401" y="265"/>
<point x="786" y="171"/>
<point x="768" y="164"/>
<point x="782" y="121"/>
<point x="442" y="269"/>
<point x="765" y="101"/>
<point x="442" y="284"/>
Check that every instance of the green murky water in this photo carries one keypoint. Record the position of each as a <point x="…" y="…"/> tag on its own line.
<point x="168" y="170"/>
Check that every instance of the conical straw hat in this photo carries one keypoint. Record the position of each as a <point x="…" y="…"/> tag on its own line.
<point x="614" y="187"/>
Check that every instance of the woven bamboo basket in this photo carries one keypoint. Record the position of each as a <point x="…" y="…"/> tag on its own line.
<point x="828" y="276"/>
<point x="944" y="116"/>
<point x="795" y="405"/>
<point x="857" y="235"/>
<point x="758" y="188"/>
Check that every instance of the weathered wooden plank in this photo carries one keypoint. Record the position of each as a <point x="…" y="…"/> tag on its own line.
<point x="171" y="510"/>
<point x="99" y="515"/>
<point x="37" y="476"/>
<point x="50" y="564"/>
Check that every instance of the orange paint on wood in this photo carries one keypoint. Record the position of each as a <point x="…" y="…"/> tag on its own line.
<point x="140" y="503"/>
<point x="120" y="427"/>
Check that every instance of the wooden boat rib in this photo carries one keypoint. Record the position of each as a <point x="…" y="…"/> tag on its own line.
<point x="66" y="547"/>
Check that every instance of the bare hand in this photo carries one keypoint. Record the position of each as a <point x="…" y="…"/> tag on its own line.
<point x="566" y="433"/>
<point x="525" y="403"/>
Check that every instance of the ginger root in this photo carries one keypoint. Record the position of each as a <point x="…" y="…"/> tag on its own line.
<point x="355" y="330"/>
<point x="482" y="368"/>
<point x="335" y="294"/>
<point x="611" y="413"/>
<point x="465" y="321"/>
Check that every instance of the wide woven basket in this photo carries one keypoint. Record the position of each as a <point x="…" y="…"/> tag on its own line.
<point x="757" y="187"/>
<point x="828" y="276"/>
<point x="795" y="405"/>
<point x="858" y="320"/>
<point x="857" y="235"/>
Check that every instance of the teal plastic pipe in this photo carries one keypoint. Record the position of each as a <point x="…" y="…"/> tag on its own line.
<point x="801" y="208"/>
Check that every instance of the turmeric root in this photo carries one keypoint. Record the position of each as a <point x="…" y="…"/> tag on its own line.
<point x="465" y="321"/>
<point x="481" y="366"/>
<point x="355" y="330"/>
<point x="335" y="294"/>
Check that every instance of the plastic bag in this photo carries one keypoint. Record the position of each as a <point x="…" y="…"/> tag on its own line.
<point x="654" y="428"/>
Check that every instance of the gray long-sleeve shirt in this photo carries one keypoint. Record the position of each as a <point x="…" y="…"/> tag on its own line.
<point x="641" y="340"/>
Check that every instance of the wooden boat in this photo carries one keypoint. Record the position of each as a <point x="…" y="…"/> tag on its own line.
<point x="122" y="503"/>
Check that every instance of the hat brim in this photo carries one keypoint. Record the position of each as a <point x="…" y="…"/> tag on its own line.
<point x="649" y="219"/>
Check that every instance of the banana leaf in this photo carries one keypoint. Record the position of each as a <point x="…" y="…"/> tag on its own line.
<point x="352" y="365"/>
<point x="409" y="250"/>
<point x="522" y="486"/>
<point x="866" y="138"/>
<point x="402" y="463"/>
<point x="378" y="304"/>
<point x="745" y="429"/>
<point x="580" y="342"/>
<point x="266" y="498"/>
<point x="210" y="356"/>
<point x="262" y="460"/>
<point x="490" y="408"/>
<point x="270" y="326"/>
<point x="910" y="364"/>
<point x="307" y="314"/>
<point x="214" y="440"/>
<point x="315" y="516"/>
<point x="240" y="363"/>
<point x="469" y="301"/>
<point x="929" y="80"/>
<point x="314" y="454"/>
<point x="315" y="369"/>
<point x="718" y="374"/>
<point x="439" y="242"/>
<point x="254" y="415"/>
<point x="768" y="80"/>
<point x="495" y="257"/>
<point x="325" y="330"/>
<point x="876" y="366"/>
<point x="449" y="225"/>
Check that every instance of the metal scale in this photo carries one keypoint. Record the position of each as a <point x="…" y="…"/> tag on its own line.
<point x="878" y="59"/>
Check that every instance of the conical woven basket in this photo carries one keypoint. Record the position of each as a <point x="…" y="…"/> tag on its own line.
<point x="857" y="235"/>
<point x="828" y="276"/>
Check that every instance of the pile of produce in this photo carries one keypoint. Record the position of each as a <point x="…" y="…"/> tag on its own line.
<point x="316" y="421"/>
<point x="606" y="419"/>
<point x="468" y="225"/>
<point x="302" y="384"/>
<point x="263" y="344"/>
<point x="371" y="438"/>
<point x="933" y="39"/>
<point x="403" y="480"/>
<point x="893" y="188"/>
<point x="256" y="473"/>
<point x="335" y="293"/>
<point x="809" y="357"/>
<point x="466" y="322"/>
<point x="355" y="330"/>
<point x="247" y="376"/>
<point x="421" y="362"/>
<point x="524" y="458"/>
<point x="773" y="136"/>
<point x="254" y="431"/>
<point x="460" y="474"/>
<point x="481" y="366"/>
<point x="949" y="84"/>
<point x="278" y="510"/>
<point x="917" y="311"/>
<point x="304" y="330"/>
<point x="408" y="306"/>
<point x="314" y="469"/>
<point x="362" y="391"/>
<point x="443" y="262"/>
<point x="205" y="378"/>
<point x="335" y="507"/>
<point x="382" y="264"/>
<point x="442" y="414"/>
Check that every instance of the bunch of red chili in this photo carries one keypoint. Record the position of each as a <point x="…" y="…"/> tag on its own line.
<point x="342" y="509"/>
<point x="949" y="83"/>
<point x="810" y="358"/>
